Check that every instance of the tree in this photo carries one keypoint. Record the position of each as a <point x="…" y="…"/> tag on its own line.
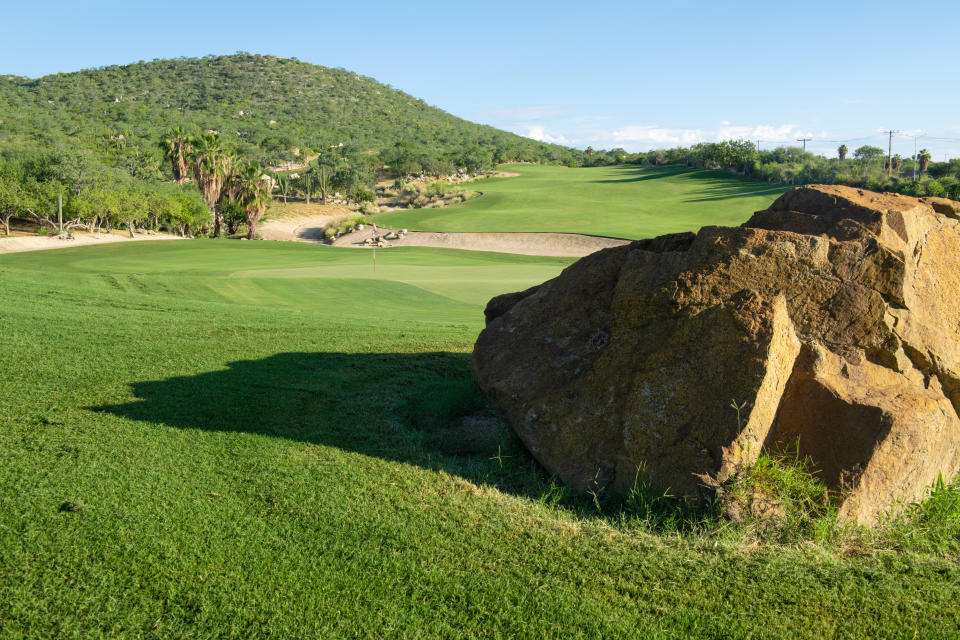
<point x="307" y="182"/>
<point x="253" y="195"/>
<point x="190" y="211"/>
<point x="326" y="162"/>
<point x="282" y="182"/>
<point x="127" y="207"/>
<point x="10" y="199"/>
<point x="211" y="166"/>
<point x="177" y="147"/>
<point x="924" y="158"/>
<point x="842" y="152"/>
<point x="868" y="154"/>
<point x="354" y="182"/>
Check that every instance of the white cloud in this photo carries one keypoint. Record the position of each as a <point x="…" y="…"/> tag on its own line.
<point x="640" y="135"/>
<point x="769" y="133"/>
<point x="537" y="132"/>
<point x="644" y="137"/>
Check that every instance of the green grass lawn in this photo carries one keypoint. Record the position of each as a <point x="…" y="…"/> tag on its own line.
<point x="619" y="201"/>
<point x="208" y="439"/>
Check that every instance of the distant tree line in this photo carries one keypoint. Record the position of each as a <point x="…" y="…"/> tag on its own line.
<point x="868" y="168"/>
<point x="91" y="197"/>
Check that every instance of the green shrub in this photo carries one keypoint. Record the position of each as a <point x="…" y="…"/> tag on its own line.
<point x="341" y="225"/>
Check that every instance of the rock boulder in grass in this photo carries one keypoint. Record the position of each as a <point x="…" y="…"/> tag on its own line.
<point x="830" y="319"/>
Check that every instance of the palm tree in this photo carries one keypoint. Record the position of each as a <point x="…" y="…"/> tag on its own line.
<point x="211" y="166"/>
<point x="924" y="157"/>
<point x="842" y="152"/>
<point x="177" y="146"/>
<point x="253" y="194"/>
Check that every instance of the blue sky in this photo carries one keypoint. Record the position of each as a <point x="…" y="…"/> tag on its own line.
<point x="636" y="75"/>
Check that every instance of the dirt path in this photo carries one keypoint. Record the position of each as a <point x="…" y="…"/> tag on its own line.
<point x="15" y="244"/>
<point x="531" y="244"/>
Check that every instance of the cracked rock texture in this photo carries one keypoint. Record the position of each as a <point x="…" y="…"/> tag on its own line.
<point x="831" y="319"/>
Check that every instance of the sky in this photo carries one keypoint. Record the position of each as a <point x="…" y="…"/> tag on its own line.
<point x="636" y="75"/>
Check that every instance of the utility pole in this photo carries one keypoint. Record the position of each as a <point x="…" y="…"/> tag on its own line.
<point x="890" y="153"/>
<point x="914" y="158"/>
<point x="758" y="146"/>
<point x="804" y="141"/>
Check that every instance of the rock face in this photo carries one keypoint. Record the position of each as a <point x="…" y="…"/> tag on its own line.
<point x="830" y="321"/>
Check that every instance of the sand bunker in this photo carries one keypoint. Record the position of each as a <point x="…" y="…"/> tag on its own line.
<point x="16" y="244"/>
<point x="531" y="244"/>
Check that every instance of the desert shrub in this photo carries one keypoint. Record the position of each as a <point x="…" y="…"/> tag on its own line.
<point x="934" y="188"/>
<point x="341" y="225"/>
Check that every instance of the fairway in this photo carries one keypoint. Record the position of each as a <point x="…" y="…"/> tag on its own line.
<point x="623" y="201"/>
<point x="207" y="439"/>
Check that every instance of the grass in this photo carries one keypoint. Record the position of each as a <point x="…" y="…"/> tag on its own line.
<point x="206" y="439"/>
<point x="618" y="201"/>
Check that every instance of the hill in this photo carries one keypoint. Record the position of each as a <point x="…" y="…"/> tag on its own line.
<point x="622" y="201"/>
<point x="275" y="109"/>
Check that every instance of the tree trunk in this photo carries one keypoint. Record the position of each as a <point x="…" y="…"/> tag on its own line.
<point x="251" y="230"/>
<point x="130" y="228"/>
<point x="284" y="197"/>
<point x="6" y="226"/>
<point x="216" y="223"/>
<point x="307" y="194"/>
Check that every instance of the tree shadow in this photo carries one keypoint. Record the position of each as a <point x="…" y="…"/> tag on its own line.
<point x="640" y="174"/>
<point x="740" y="189"/>
<point x="713" y="184"/>
<point x="421" y="409"/>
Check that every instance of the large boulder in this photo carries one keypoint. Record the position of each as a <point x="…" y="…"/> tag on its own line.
<point x="828" y="323"/>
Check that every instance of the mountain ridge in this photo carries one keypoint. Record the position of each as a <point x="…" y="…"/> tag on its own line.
<point x="272" y="108"/>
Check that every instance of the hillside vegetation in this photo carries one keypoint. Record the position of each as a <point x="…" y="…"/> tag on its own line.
<point x="622" y="201"/>
<point x="274" y="109"/>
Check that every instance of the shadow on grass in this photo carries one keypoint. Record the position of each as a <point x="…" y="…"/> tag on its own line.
<point x="641" y="174"/>
<point x="725" y="190"/>
<point x="714" y="185"/>
<point x="420" y="409"/>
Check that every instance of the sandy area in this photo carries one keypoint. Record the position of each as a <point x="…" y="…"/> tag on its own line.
<point x="531" y="244"/>
<point x="301" y="228"/>
<point x="15" y="244"/>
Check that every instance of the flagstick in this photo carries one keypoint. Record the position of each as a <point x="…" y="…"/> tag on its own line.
<point x="374" y="259"/>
